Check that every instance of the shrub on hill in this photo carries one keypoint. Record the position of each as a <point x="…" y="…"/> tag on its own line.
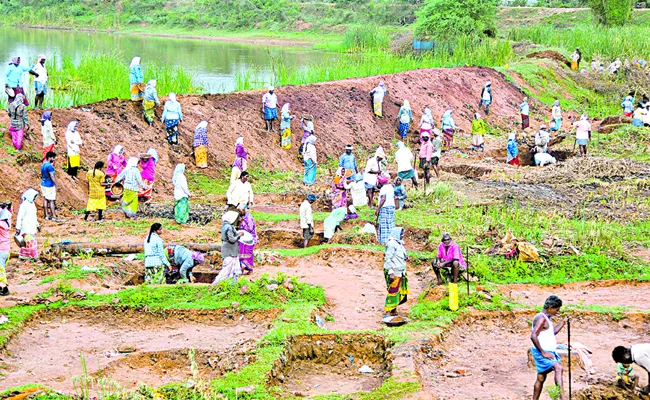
<point x="447" y="19"/>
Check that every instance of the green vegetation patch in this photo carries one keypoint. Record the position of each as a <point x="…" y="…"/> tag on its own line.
<point x="550" y="84"/>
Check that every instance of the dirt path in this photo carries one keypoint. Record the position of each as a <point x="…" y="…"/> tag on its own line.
<point x="630" y="294"/>
<point x="354" y="285"/>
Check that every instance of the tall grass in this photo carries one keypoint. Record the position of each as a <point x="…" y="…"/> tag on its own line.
<point x="97" y="77"/>
<point x="365" y="38"/>
<point x="463" y="51"/>
<point x="627" y="41"/>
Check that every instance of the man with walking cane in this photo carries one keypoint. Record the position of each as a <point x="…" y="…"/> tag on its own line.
<point x="544" y="348"/>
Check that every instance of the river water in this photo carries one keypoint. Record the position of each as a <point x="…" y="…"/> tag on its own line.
<point x="214" y="64"/>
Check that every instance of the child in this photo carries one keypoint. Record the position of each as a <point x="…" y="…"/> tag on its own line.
<point x="625" y="377"/>
<point x="400" y="192"/>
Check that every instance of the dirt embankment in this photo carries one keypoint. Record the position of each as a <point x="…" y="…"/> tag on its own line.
<point x="341" y="110"/>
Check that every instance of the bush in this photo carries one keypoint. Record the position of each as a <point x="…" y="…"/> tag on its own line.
<point x="447" y="19"/>
<point x="612" y="12"/>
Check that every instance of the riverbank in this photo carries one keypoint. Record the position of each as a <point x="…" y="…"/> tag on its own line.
<point x="269" y="38"/>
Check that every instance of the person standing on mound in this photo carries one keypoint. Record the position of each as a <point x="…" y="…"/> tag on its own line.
<point x="544" y="348"/>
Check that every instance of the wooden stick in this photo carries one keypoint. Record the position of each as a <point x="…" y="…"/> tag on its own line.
<point x="568" y="327"/>
<point x="467" y="262"/>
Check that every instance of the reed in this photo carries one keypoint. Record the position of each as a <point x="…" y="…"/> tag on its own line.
<point x="624" y="42"/>
<point x="457" y="53"/>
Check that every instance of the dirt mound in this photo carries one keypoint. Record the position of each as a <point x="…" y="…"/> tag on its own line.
<point x="341" y="110"/>
<point x="582" y="169"/>
<point x="550" y="54"/>
<point x="609" y="124"/>
<point x="199" y="213"/>
<point x="606" y="391"/>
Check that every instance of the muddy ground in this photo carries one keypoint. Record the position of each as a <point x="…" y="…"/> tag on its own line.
<point x="478" y="351"/>
<point x="489" y="352"/>
<point x="48" y="350"/>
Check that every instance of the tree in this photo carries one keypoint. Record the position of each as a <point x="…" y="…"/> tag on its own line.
<point x="612" y="12"/>
<point x="446" y="19"/>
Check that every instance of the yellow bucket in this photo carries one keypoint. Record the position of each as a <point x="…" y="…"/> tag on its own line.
<point x="453" y="296"/>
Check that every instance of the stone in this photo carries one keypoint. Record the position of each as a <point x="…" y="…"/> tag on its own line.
<point x="243" y="290"/>
<point x="272" y="287"/>
<point x="245" y="389"/>
<point x="235" y="304"/>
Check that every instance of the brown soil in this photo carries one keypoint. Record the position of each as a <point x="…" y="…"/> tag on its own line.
<point x="609" y="124"/>
<point x="324" y="364"/>
<point x="606" y="391"/>
<point x="630" y="294"/>
<point x="161" y="367"/>
<point x="48" y="351"/>
<point x="550" y="54"/>
<point x="489" y="350"/>
<point x="354" y="285"/>
<point x="341" y="110"/>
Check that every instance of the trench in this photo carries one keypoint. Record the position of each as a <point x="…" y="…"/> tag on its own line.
<point x="312" y="365"/>
<point x="130" y="345"/>
<point x="157" y="368"/>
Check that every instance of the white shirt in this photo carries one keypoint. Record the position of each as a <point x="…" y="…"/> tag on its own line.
<point x="27" y="220"/>
<point x="358" y="192"/>
<point x="181" y="190"/>
<point x="48" y="133"/>
<point x="270" y="100"/>
<point x="388" y="191"/>
<point x="641" y="355"/>
<point x="240" y="192"/>
<point x="404" y="158"/>
<point x="310" y="153"/>
<point x="378" y="94"/>
<point x="306" y="215"/>
<point x="371" y="165"/>
<point x="73" y="141"/>
<point x="41" y="71"/>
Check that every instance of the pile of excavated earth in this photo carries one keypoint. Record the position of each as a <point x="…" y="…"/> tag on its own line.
<point x="481" y="354"/>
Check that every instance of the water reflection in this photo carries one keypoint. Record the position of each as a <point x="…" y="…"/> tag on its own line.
<point x="213" y="63"/>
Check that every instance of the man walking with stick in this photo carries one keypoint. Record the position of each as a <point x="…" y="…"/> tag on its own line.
<point x="544" y="348"/>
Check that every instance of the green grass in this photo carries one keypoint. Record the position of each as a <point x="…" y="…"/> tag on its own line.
<point x="592" y="39"/>
<point x="289" y="15"/>
<point x="73" y="271"/>
<point x="551" y="83"/>
<point x="214" y="297"/>
<point x="464" y="51"/>
<point x="625" y="142"/>
<point x="92" y="78"/>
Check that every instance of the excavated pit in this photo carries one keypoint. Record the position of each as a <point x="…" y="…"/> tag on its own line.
<point x="199" y="213"/>
<point x="312" y="365"/>
<point x="48" y="351"/>
<point x="201" y="277"/>
<point x="157" y="368"/>
<point x="489" y="350"/>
